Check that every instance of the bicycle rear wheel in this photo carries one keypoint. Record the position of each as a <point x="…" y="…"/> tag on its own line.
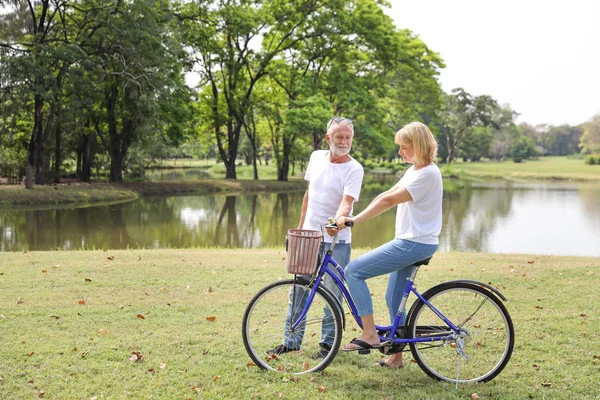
<point x="266" y="326"/>
<point x="486" y="329"/>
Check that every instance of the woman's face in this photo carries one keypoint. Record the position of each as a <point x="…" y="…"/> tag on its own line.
<point x="407" y="152"/>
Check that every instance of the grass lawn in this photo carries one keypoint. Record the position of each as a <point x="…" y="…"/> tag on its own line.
<point x="70" y="323"/>
<point x="562" y="168"/>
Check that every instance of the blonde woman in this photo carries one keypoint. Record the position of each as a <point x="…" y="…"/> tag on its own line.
<point x="418" y="197"/>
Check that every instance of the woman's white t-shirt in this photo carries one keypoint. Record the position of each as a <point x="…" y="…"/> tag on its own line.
<point x="420" y="220"/>
<point x="329" y="183"/>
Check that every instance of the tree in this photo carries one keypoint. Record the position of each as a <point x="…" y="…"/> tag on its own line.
<point x="135" y="59"/>
<point x="590" y="140"/>
<point x="224" y="36"/>
<point x="462" y="112"/>
<point x="522" y="149"/>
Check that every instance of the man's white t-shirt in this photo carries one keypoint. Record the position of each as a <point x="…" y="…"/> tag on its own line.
<point x="420" y="220"/>
<point x="329" y="183"/>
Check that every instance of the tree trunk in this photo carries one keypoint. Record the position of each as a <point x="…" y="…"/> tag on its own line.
<point x="35" y="172"/>
<point x="57" y="150"/>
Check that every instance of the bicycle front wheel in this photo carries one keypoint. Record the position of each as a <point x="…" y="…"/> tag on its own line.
<point x="486" y="339"/>
<point x="273" y="344"/>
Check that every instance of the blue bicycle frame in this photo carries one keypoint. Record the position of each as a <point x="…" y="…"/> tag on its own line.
<point x="389" y="329"/>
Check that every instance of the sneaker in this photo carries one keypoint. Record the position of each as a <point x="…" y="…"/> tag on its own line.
<point x="281" y="349"/>
<point x="323" y="351"/>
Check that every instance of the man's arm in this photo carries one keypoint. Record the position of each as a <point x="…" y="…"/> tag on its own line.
<point x="345" y="206"/>
<point x="304" y="207"/>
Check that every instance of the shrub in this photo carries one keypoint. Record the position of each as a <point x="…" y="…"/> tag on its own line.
<point x="592" y="159"/>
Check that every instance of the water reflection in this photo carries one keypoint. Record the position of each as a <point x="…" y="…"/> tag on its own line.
<point x="491" y="217"/>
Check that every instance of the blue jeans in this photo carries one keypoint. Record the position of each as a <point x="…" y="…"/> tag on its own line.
<point x="395" y="258"/>
<point x="341" y="254"/>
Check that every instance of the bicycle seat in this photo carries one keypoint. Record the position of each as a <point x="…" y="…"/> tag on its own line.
<point x="423" y="262"/>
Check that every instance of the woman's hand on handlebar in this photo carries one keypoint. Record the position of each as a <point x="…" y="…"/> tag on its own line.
<point x="343" y="222"/>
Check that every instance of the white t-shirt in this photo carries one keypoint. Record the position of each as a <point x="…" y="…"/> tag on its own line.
<point x="329" y="183"/>
<point x="420" y="220"/>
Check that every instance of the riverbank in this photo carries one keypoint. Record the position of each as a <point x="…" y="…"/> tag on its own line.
<point x="72" y="321"/>
<point x="83" y="193"/>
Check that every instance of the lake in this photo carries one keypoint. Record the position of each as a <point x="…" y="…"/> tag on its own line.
<point x="497" y="217"/>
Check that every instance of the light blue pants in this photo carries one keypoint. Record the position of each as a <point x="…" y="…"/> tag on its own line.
<point x="341" y="254"/>
<point x="395" y="258"/>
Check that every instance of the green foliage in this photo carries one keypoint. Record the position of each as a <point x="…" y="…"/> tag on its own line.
<point x="522" y="149"/>
<point x="590" y="140"/>
<point x="461" y="114"/>
<point x="592" y="159"/>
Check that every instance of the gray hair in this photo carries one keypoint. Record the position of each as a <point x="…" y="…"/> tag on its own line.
<point x="339" y="121"/>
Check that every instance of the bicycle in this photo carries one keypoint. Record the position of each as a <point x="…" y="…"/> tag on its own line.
<point x="463" y="319"/>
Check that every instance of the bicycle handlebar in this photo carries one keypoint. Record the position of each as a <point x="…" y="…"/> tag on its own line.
<point x="333" y="225"/>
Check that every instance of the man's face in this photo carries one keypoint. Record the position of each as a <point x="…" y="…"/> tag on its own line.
<point x="339" y="139"/>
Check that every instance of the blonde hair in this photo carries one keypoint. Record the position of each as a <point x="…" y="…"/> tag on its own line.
<point x="421" y="139"/>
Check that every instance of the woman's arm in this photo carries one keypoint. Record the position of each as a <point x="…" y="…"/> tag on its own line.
<point x="380" y="204"/>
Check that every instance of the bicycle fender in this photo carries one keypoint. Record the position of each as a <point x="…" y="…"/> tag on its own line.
<point x="485" y="285"/>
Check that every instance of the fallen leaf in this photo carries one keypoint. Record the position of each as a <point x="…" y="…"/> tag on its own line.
<point x="546" y="384"/>
<point x="530" y="262"/>
<point x="209" y="290"/>
<point x="313" y="379"/>
<point x="306" y="366"/>
<point x="88" y="280"/>
<point x="137" y="356"/>
<point x="141" y="316"/>
<point x="162" y="366"/>
<point x="139" y="258"/>
<point x="82" y="302"/>
<point x="110" y="258"/>
<point x="55" y="266"/>
<point x="281" y="394"/>
<point x="30" y="354"/>
<point x="44" y="271"/>
<point x="74" y="349"/>
<point x="20" y="301"/>
<point x="84" y="354"/>
<point x="216" y="378"/>
<point x="2" y="316"/>
<point x="55" y="316"/>
<point x="211" y="318"/>
<point x="536" y="367"/>
<point x="250" y="364"/>
<point x="41" y="393"/>
<point x="475" y="396"/>
<point x="151" y="371"/>
<point x="322" y="389"/>
<point x="205" y="352"/>
<point x="583" y="315"/>
<point x="197" y="388"/>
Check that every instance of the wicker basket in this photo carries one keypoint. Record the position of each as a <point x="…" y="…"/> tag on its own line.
<point x="302" y="251"/>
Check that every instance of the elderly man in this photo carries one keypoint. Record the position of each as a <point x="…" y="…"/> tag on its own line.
<point x="334" y="182"/>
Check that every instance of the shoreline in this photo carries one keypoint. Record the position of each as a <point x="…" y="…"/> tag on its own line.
<point x="94" y="193"/>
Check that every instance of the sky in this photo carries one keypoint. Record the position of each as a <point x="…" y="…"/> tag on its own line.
<point x="540" y="57"/>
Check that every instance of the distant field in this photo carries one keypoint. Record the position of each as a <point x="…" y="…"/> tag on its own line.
<point x="543" y="168"/>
